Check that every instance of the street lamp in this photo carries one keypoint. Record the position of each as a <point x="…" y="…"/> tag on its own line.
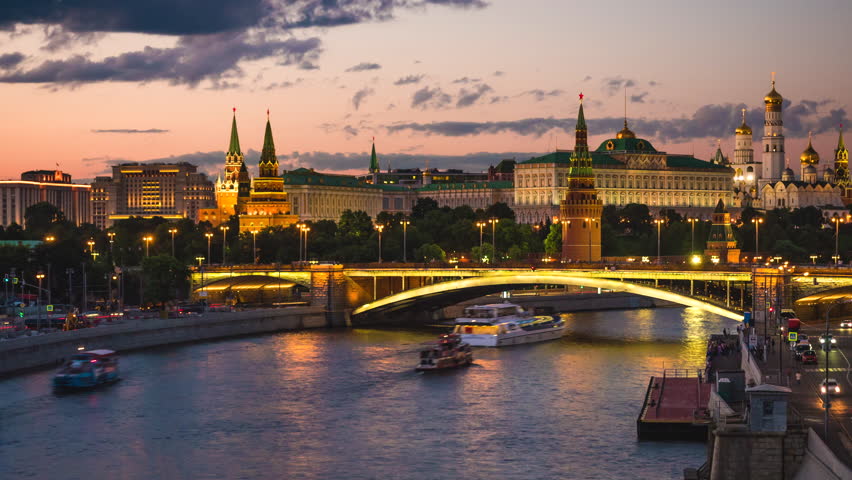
<point x="589" y="224"/>
<point x="173" y="231"/>
<point x="254" y="245"/>
<point x="299" y="227"/>
<point x="837" y="221"/>
<point x="209" y="236"/>
<point x="40" y="277"/>
<point x="659" y="222"/>
<point x="111" y="236"/>
<point x="494" y="222"/>
<point x="305" y="229"/>
<point x="692" y="239"/>
<point x="91" y="244"/>
<point x="481" y="225"/>
<point x="380" y="228"/>
<point x="224" y="229"/>
<point x="756" y="222"/>
<point x="405" y="224"/>
<point x="814" y="259"/>
<point x="199" y="259"/>
<point x="147" y="239"/>
<point x="49" y="238"/>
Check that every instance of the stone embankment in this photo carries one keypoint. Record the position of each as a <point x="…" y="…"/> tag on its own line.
<point x="49" y="349"/>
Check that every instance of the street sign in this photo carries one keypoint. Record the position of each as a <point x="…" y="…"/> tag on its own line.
<point x="50" y="308"/>
<point x="202" y="293"/>
<point x="15" y="280"/>
<point x="793" y="336"/>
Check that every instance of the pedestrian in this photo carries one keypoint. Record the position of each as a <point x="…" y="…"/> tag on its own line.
<point x="798" y="378"/>
<point x="725" y="332"/>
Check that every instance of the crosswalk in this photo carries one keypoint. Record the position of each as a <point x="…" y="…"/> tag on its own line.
<point x="830" y="369"/>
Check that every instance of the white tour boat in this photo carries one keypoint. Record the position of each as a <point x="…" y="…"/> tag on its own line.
<point x="501" y="324"/>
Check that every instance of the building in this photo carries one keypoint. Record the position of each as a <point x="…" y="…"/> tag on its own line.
<point x="473" y="194"/>
<point x="747" y="172"/>
<point x="321" y="196"/>
<point x="415" y="177"/>
<point x="627" y="170"/>
<point x="580" y="209"/>
<point x="722" y="244"/>
<point x="841" y="169"/>
<point x="773" y="137"/>
<point x="51" y="186"/>
<point x="168" y="190"/>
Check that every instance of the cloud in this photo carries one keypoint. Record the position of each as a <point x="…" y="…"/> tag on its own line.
<point x="708" y="121"/>
<point x="10" y="60"/>
<point x="466" y="80"/>
<point x="364" y="66"/>
<point x="360" y="161"/>
<point x="498" y="99"/>
<point x="430" y="98"/>
<point x="540" y="94"/>
<point x="587" y="78"/>
<point x="409" y="79"/>
<point x="130" y="130"/>
<point x="360" y="95"/>
<point x="639" y="98"/>
<point x="613" y="85"/>
<point x="469" y="97"/>
<point x="195" y="58"/>
<point x="57" y="38"/>
<point x="350" y="131"/>
<point x="498" y="73"/>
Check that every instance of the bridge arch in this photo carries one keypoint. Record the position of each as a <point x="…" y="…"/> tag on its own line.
<point x="493" y="282"/>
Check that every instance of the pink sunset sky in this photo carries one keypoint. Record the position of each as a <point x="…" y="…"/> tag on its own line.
<point x="458" y="83"/>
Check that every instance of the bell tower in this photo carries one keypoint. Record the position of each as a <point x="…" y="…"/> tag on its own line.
<point x="580" y="210"/>
<point x="773" y="136"/>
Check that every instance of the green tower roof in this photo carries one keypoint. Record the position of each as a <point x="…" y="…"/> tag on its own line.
<point x="841" y="146"/>
<point x="374" y="160"/>
<point x="267" y="155"/>
<point x="581" y="119"/>
<point x="234" y="147"/>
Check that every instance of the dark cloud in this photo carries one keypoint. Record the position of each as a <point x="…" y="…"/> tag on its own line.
<point x="10" y="60"/>
<point x="409" y="79"/>
<point x="466" y="80"/>
<point x="498" y="73"/>
<point x="337" y="162"/>
<point x="364" y="66"/>
<point x="469" y="97"/>
<point x="588" y="77"/>
<point x="639" y="98"/>
<point x="708" y="121"/>
<point x="57" y="38"/>
<point x="130" y="130"/>
<point x="613" y="85"/>
<point x="430" y="98"/>
<point x="194" y="59"/>
<point x="652" y="83"/>
<point x="540" y="94"/>
<point x="350" y="131"/>
<point x="498" y="99"/>
<point x="360" y="95"/>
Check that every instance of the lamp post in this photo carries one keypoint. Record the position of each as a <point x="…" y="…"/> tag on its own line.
<point x="39" y="277"/>
<point x="405" y="224"/>
<point x="224" y="229"/>
<point x="254" y="245"/>
<point x="91" y="244"/>
<point x="173" y="231"/>
<point x="305" y="230"/>
<point x="299" y="227"/>
<point x="380" y="228"/>
<point x="200" y="259"/>
<point x="481" y="225"/>
<point x="837" y="221"/>
<point x="756" y="222"/>
<point x="147" y="239"/>
<point x="111" y="236"/>
<point x="659" y="222"/>
<point x="209" y="238"/>
<point x="692" y="238"/>
<point x="589" y="225"/>
<point x="493" y="222"/>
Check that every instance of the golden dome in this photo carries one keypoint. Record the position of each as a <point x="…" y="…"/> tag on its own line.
<point x="773" y="98"/>
<point x="743" y="130"/>
<point x="625" y="132"/>
<point x="809" y="156"/>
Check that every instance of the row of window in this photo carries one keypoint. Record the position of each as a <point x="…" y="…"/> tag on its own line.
<point x="632" y="181"/>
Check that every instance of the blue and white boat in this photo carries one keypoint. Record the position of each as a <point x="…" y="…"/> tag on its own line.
<point x="501" y="324"/>
<point x="87" y="369"/>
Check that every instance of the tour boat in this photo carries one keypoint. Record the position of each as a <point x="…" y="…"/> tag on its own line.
<point x="501" y="324"/>
<point x="448" y="352"/>
<point x="88" y="369"/>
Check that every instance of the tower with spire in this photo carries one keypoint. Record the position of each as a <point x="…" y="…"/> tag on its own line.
<point x="841" y="165"/>
<point x="773" y="136"/>
<point x="747" y="172"/>
<point x="268" y="179"/>
<point x="580" y="210"/>
<point x="722" y="243"/>
<point x="227" y="185"/>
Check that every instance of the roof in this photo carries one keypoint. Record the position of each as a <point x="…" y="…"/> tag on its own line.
<point x="465" y="186"/>
<point x="304" y="176"/>
<point x="627" y="145"/>
<point x="766" y="387"/>
<point x="234" y="147"/>
<point x="564" y="157"/>
<point x="688" y="161"/>
<point x="605" y="158"/>
<point x="505" y="166"/>
<point x="720" y="207"/>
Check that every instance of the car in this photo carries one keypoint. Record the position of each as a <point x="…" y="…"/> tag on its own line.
<point x="803" y="338"/>
<point x="846" y="324"/>
<point x="809" y="357"/>
<point x="788" y="313"/>
<point x="827" y="342"/>
<point x="800" y="349"/>
<point x="831" y="386"/>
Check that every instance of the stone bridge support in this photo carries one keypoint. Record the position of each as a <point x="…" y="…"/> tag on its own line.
<point x="329" y="290"/>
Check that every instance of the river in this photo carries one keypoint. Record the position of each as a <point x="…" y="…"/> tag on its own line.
<point x="347" y="404"/>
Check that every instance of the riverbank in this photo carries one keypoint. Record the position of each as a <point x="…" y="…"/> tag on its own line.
<point x="50" y="349"/>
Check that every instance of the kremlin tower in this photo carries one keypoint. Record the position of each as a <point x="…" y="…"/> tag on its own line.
<point x="773" y="136"/>
<point x="227" y="188"/>
<point x="581" y="209"/>
<point x="747" y="172"/>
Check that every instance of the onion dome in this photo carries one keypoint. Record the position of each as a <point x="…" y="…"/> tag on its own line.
<point x="809" y="156"/>
<point x="625" y="132"/>
<point x="743" y="129"/>
<point x="773" y="99"/>
<point x="788" y="175"/>
<point x="809" y="170"/>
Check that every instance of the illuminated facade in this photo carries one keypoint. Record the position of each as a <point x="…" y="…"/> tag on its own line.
<point x="51" y="186"/>
<point x="773" y="137"/>
<point x="321" y="196"/>
<point x="168" y="190"/>
<point x="722" y="244"/>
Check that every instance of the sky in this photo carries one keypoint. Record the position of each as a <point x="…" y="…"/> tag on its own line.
<point x="87" y="84"/>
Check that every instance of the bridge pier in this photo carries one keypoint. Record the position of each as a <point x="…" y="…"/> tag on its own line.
<point x="328" y="289"/>
<point x="691" y="287"/>
<point x="728" y="293"/>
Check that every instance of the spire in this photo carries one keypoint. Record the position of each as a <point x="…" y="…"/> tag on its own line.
<point x="374" y="160"/>
<point x="581" y="119"/>
<point x="268" y="161"/>
<point x="234" y="147"/>
<point x="840" y="145"/>
<point x="580" y="165"/>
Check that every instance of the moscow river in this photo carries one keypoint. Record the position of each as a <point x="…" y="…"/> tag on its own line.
<point x="347" y="404"/>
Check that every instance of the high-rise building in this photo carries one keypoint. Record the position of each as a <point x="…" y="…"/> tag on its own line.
<point x="773" y="136"/>
<point x="168" y="190"/>
<point x="51" y="186"/>
<point x="580" y="209"/>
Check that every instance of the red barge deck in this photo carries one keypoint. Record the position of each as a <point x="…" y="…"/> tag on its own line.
<point x="675" y="407"/>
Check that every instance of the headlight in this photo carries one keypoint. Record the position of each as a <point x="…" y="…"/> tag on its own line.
<point x="822" y="389"/>
<point x="821" y="340"/>
<point x="833" y="340"/>
<point x="837" y="389"/>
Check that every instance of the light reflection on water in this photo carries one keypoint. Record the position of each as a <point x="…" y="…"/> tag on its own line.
<point x="348" y="404"/>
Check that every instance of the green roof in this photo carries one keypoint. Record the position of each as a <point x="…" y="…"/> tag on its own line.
<point x="627" y="145"/>
<point x="465" y="186"/>
<point x="564" y="156"/>
<point x="234" y="147"/>
<point x="374" y="160"/>
<point x="581" y="119"/>
<point x="688" y="161"/>
<point x="600" y="159"/>
<point x="304" y="176"/>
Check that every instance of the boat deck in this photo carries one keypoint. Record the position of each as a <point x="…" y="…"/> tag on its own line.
<point x="675" y="407"/>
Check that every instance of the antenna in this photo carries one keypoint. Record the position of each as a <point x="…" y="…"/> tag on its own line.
<point x="773" y="79"/>
<point x="625" y="104"/>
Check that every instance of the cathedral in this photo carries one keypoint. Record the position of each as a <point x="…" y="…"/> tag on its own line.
<point x="259" y="203"/>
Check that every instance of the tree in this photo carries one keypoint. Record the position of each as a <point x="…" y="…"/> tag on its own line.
<point x="553" y="242"/>
<point x="430" y="252"/>
<point x="39" y="217"/>
<point x="500" y="210"/>
<point x="163" y="276"/>
<point x="423" y="206"/>
<point x="354" y="225"/>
